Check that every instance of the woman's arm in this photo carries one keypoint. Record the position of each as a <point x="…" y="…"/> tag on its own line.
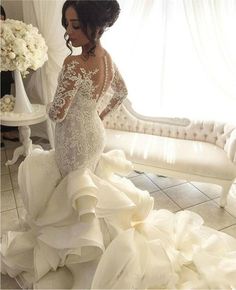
<point x="68" y="85"/>
<point x="120" y="93"/>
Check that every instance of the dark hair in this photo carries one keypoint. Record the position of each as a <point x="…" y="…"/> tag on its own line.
<point x="3" y="13"/>
<point x="92" y="15"/>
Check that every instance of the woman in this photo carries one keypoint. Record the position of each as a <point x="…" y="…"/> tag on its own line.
<point x="89" y="228"/>
<point x="83" y="82"/>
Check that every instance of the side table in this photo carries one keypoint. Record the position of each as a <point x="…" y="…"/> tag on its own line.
<point x="23" y="121"/>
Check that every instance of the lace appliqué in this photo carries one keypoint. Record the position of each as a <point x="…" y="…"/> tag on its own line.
<point x="88" y="88"/>
<point x="69" y="83"/>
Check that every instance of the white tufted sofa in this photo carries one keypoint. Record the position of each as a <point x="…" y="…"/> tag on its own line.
<point x="190" y="150"/>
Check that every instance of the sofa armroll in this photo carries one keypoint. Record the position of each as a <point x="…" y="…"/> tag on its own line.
<point x="231" y="146"/>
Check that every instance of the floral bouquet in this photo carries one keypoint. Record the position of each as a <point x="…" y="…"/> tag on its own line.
<point x="22" y="47"/>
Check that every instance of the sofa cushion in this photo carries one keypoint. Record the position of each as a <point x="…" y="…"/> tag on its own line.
<point x="186" y="156"/>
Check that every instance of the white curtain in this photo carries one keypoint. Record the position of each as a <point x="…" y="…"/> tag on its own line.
<point x="41" y="85"/>
<point x="178" y="56"/>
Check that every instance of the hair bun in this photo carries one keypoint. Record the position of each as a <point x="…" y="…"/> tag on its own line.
<point x="113" y="11"/>
<point x="106" y="12"/>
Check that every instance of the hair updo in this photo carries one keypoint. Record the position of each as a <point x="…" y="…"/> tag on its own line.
<point x="93" y="15"/>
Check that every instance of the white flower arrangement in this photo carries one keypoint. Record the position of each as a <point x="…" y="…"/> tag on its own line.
<point x="22" y="47"/>
<point x="7" y="103"/>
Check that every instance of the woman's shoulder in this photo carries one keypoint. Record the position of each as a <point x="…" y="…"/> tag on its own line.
<point x="71" y="59"/>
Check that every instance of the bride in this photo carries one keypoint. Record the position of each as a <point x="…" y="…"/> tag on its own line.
<point x="86" y="226"/>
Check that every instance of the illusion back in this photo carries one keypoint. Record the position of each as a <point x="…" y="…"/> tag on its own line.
<point x="79" y="133"/>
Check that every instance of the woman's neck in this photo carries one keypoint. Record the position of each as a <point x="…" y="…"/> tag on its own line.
<point x="98" y="51"/>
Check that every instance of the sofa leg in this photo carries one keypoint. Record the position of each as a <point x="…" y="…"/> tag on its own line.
<point x="224" y="195"/>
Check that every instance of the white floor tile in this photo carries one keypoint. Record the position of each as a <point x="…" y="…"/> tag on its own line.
<point x="18" y="198"/>
<point x="4" y="169"/>
<point x="162" y="201"/>
<point x="6" y="182"/>
<point x="8" y="282"/>
<point x="163" y="181"/>
<point x="7" y="200"/>
<point x="214" y="216"/>
<point x="211" y="190"/>
<point x="14" y="179"/>
<point x="21" y="213"/>
<point x="185" y="195"/>
<point x="230" y="231"/>
<point x="9" y="221"/>
<point x="144" y="183"/>
<point x="231" y="204"/>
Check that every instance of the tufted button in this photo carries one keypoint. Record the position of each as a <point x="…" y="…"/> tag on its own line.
<point x="161" y="131"/>
<point x="177" y="133"/>
<point x="205" y="135"/>
<point x="194" y="134"/>
<point x="107" y="123"/>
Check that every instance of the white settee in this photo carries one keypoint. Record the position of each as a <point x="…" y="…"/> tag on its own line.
<point x="180" y="148"/>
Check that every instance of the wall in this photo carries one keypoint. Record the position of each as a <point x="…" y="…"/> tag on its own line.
<point x="13" y="8"/>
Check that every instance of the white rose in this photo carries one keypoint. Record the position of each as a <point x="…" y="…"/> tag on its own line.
<point x="7" y="100"/>
<point x="12" y="55"/>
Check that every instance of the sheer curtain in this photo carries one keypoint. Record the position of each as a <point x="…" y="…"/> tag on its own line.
<point x="178" y="56"/>
<point x="41" y="85"/>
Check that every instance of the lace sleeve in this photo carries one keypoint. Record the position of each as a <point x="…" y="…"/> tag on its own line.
<point x="68" y="84"/>
<point x="119" y="93"/>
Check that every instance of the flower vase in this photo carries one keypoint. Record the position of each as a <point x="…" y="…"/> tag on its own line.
<point x="22" y="103"/>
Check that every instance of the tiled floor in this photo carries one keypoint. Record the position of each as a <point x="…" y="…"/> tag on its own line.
<point x="168" y="193"/>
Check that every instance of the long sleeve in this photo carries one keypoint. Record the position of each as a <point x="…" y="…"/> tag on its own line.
<point x="68" y="84"/>
<point x="119" y="93"/>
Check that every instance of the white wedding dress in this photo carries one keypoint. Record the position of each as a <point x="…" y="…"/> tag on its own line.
<point x="87" y="227"/>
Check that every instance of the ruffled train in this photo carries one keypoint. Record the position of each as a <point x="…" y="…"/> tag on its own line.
<point x="99" y="231"/>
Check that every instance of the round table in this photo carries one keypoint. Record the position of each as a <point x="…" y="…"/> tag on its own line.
<point x="23" y="121"/>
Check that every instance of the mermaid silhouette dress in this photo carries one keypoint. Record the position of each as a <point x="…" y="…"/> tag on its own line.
<point x="89" y="227"/>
